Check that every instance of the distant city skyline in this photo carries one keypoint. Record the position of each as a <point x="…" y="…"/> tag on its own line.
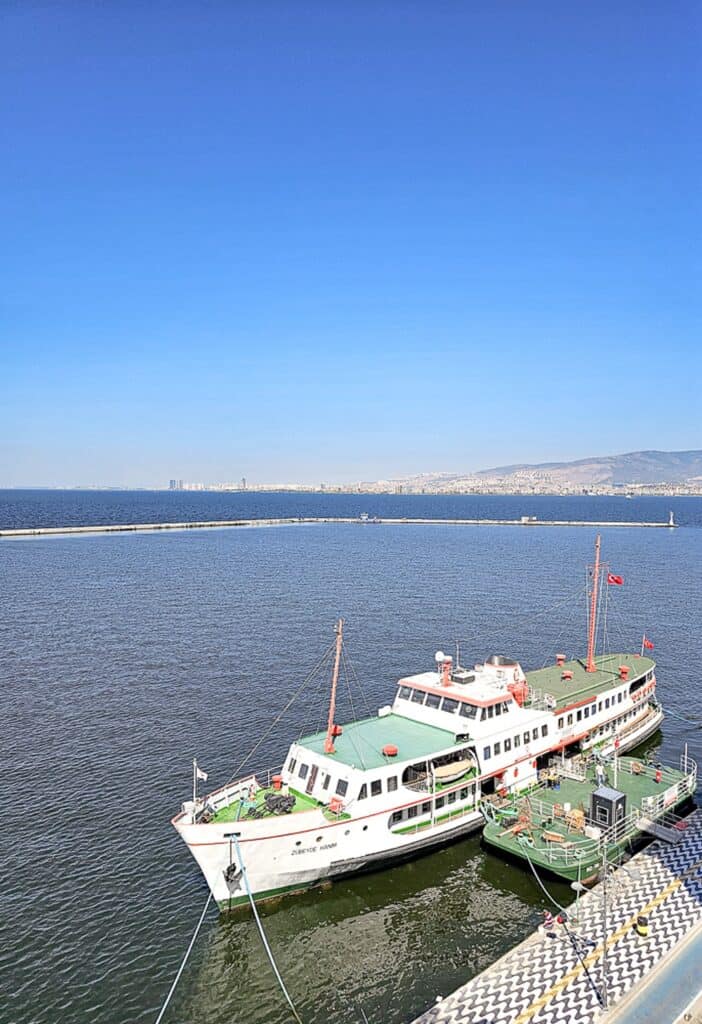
<point x="341" y="243"/>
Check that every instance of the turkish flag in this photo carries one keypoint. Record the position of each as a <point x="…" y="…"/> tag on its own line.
<point x="618" y="580"/>
<point x="648" y="644"/>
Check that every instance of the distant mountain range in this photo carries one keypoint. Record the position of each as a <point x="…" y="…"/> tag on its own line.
<point x="645" y="470"/>
<point x="632" y="468"/>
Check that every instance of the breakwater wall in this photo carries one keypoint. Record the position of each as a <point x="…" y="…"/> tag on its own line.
<point x="219" y="524"/>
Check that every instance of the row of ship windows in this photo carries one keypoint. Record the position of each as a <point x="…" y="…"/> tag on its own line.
<point x="304" y="769"/>
<point x="376" y="785"/>
<point x="604" y="730"/>
<point x="425" y="808"/>
<point x="507" y="744"/>
<point x="591" y="708"/>
<point x="433" y="700"/>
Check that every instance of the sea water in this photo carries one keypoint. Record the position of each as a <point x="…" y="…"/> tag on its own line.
<point x="124" y="656"/>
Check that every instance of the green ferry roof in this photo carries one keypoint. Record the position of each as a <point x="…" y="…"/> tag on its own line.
<point x="361" y="743"/>
<point x="586" y="684"/>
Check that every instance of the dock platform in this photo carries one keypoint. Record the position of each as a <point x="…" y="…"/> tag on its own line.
<point x="576" y="973"/>
<point x="222" y="524"/>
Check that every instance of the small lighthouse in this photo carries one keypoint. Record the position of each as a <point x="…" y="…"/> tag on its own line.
<point x="671" y="519"/>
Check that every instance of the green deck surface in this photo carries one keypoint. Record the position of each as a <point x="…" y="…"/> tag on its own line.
<point x="586" y="684"/>
<point x="577" y="794"/>
<point x="232" y="813"/>
<point x="361" y="743"/>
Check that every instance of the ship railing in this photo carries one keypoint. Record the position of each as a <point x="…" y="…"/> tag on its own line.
<point x="240" y="789"/>
<point x="540" y="700"/>
<point x="445" y="816"/>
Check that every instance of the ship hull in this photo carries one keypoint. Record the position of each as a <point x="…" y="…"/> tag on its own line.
<point x="277" y="865"/>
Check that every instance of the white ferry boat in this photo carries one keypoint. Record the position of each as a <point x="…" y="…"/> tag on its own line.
<point x="411" y="778"/>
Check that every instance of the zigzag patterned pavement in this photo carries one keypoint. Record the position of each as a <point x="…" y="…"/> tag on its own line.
<point x="546" y="980"/>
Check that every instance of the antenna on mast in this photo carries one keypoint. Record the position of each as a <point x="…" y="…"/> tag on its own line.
<point x="331" y="728"/>
<point x="591" y="667"/>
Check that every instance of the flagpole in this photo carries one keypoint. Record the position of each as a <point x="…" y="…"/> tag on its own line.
<point x="643" y="642"/>
<point x="195" y="780"/>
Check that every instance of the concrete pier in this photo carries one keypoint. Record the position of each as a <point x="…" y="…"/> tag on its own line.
<point x="220" y="524"/>
<point x="592" y="975"/>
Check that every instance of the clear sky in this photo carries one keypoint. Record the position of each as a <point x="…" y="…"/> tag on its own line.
<point x="345" y="240"/>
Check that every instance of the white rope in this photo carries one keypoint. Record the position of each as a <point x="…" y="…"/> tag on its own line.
<point x="184" y="960"/>
<point x="263" y="934"/>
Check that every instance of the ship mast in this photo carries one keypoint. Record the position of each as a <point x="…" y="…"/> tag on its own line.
<point x="591" y="667"/>
<point x="329" y="741"/>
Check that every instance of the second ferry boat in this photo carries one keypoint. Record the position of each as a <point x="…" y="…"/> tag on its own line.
<point x="412" y="777"/>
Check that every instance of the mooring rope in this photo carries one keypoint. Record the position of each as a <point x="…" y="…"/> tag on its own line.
<point x="184" y="960"/>
<point x="264" y="940"/>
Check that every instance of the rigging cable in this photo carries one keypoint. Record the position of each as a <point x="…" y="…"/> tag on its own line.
<point x="317" y="667"/>
<point x="184" y="960"/>
<point x="264" y="940"/>
<point x="571" y="936"/>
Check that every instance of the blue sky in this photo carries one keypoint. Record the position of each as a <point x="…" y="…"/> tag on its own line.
<point x="340" y="241"/>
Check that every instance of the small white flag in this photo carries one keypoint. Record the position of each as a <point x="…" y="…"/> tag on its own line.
<point x="200" y="774"/>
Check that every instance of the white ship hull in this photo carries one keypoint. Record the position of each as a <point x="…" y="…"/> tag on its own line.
<point x="296" y="852"/>
<point x="317" y="851"/>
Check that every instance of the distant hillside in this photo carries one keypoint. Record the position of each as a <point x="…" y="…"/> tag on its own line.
<point x="632" y="468"/>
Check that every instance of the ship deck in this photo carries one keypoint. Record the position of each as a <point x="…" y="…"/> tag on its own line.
<point x="361" y="743"/>
<point x="238" y="810"/>
<point x="586" y="684"/>
<point x="545" y="814"/>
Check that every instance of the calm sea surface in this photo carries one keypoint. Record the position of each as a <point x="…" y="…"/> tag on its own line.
<point x="123" y="656"/>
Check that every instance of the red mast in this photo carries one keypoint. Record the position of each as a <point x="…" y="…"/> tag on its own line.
<point x="591" y="667"/>
<point x="331" y="728"/>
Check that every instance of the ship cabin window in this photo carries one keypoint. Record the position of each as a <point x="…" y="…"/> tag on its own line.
<point x="579" y="715"/>
<point x="599" y="706"/>
<point x="483" y="714"/>
<point x="404" y="693"/>
<point x="452" y="797"/>
<point x="363" y="792"/>
<point x="544" y="730"/>
<point x="586" y="711"/>
<point x="449" y="705"/>
<point x="498" y="748"/>
<point x="392" y="783"/>
<point x="303" y="770"/>
<point x="341" y="787"/>
<point x="526" y="738"/>
<point x="516" y="741"/>
<point x="468" y="710"/>
<point x="412" y="811"/>
<point x="535" y="734"/>
<point x="490" y="711"/>
<point x="376" y="787"/>
<point x="486" y="753"/>
<point x="396" y="816"/>
<point x="560" y="723"/>
<point x="620" y="695"/>
<point x="291" y="764"/>
<point x="327" y="780"/>
<point x="464" y="793"/>
<point x="508" y="744"/>
<point x="426" y="807"/>
<point x="440" y="802"/>
<point x="570" y="719"/>
<point x="433" y="700"/>
<point x="498" y="709"/>
<point x="418" y="696"/>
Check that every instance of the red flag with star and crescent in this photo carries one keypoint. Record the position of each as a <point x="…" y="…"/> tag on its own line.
<point x="614" y="579"/>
